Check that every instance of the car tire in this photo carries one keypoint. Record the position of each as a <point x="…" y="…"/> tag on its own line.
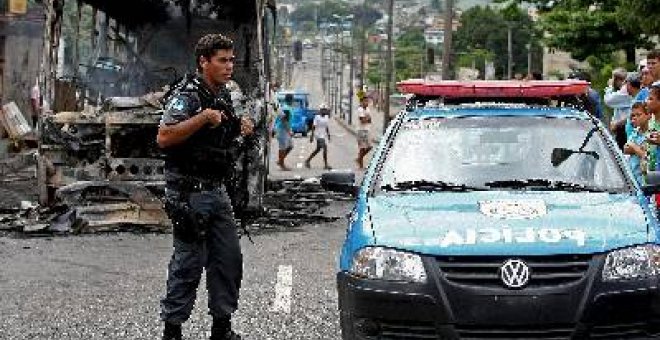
<point x="346" y="324"/>
<point x="304" y="133"/>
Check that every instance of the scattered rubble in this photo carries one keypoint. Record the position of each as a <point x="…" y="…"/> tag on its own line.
<point x="292" y="203"/>
<point x="287" y="204"/>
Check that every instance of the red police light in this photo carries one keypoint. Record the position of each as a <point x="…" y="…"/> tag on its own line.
<point x="493" y="88"/>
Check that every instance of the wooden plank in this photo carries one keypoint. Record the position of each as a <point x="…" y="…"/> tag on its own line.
<point x="13" y="121"/>
<point x="18" y="6"/>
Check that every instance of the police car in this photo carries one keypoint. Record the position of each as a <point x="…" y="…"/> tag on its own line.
<point x="499" y="210"/>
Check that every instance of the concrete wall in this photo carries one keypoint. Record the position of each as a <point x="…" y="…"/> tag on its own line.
<point x="556" y="61"/>
<point x="23" y="52"/>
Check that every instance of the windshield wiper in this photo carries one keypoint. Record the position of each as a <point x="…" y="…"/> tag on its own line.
<point x="423" y="185"/>
<point x="544" y="184"/>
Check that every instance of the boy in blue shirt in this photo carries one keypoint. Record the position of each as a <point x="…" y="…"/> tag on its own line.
<point x="637" y="146"/>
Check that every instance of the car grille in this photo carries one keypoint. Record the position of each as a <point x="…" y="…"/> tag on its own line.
<point x="514" y="332"/>
<point x="484" y="271"/>
<point x="408" y="331"/>
<point x="400" y="330"/>
<point x="625" y="331"/>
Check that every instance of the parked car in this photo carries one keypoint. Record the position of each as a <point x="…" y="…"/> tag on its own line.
<point x="302" y="115"/>
<point x="498" y="221"/>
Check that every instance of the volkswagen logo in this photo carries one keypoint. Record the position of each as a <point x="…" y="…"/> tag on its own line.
<point x="514" y="273"/>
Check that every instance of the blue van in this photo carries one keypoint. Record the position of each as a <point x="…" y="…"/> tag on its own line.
<point x="302" y="115"/>
<point x="499" y="221"/>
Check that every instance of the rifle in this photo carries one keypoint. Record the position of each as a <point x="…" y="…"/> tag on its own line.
<point x="233" y="185"/>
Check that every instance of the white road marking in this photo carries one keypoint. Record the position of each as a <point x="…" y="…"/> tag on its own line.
<point x="299" y="166"/>
<point x="283" y="286"/>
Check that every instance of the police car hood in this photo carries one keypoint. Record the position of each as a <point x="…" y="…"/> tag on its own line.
<point x="505" y="223"/>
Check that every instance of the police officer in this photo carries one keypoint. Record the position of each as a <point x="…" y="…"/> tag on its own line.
<point x="198" y="134"/>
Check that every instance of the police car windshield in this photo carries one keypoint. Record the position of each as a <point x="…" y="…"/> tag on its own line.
<point x="493" y="151"/>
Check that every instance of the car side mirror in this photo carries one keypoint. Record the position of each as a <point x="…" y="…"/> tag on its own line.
<point x="560" y="155"/>
<point x="340" y="181"/>
<point x="652" y="185"/>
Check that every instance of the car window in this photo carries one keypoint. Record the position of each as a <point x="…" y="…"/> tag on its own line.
<point x="482" y="150"/>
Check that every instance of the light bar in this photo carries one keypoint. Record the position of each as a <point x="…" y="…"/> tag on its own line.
<point x="494" y="88"/>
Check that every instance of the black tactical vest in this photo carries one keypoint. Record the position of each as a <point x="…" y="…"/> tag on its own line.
<point x="211" y="152"/>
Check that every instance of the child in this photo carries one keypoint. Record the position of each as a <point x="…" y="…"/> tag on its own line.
<point x="637" y="146"/>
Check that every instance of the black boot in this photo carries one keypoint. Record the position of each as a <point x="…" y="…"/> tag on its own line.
<point x="221" y="329"/>
<point x="172" y="332"/>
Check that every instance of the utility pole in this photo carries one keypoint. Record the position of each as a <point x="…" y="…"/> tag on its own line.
<point x="447" y="40"/>
<point x="350" y="78"/>
<point x="529" y="59"/>
<point x="388" y="63"/>
<point x="509" y="52"/>
<point x="341" y="78"/>
<point x="47" y="75"/>
<point x="363" y="41"/>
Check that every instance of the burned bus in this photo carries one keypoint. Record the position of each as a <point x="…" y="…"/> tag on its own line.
<point x="106" y="67"/>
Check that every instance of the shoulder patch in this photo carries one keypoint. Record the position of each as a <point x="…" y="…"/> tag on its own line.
<point x="178" y="103"/>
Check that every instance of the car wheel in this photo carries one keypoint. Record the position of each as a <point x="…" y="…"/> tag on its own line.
<point x="304" y="133"/>
<point x="346" y="324"/>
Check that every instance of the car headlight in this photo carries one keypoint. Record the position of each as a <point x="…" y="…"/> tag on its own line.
<point x="632" y="263"/>
<point x="388" y="264"/>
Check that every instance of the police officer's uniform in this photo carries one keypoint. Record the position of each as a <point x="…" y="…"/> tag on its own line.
<point x="196" y="200"/>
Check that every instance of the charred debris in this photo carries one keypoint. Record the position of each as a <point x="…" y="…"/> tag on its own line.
<point x="96" y="166"/>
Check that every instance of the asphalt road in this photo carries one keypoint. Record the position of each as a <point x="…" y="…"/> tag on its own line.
<point x="109" y="286"/>
<point x="342" y="148"/>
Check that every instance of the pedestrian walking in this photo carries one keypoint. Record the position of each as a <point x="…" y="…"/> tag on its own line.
<point x="198" y="134"/>
<point x="283" y="131"/>
<point x="284" y="135"/>
<point x="363" y="132"/>
<point x="321" y="132"/>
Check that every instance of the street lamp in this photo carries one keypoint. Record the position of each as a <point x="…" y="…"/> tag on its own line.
<point x="509" y="68"/>
<point x="341" y="19"/>
<point x="529" y="58"/>
<point x="388" y="64"/>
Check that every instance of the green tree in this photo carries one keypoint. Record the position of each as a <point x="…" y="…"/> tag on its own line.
<point x="410" y="54"/>
<point x="639" y="16"/>
<point x="597" y="28"/>
<point x="409" y="58"/>
<point x="323" y="13"/>
<point x="437" y="5"/>
<point x="483" y="34"/>
<point x="367" y="15"/>
<point x="306" y="12"/>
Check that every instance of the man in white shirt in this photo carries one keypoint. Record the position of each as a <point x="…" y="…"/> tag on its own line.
<point x="617" y="98"/>
<point x="322" y="134"/>
<point x="363" y="138"/>
<point x="35" y="103"/>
